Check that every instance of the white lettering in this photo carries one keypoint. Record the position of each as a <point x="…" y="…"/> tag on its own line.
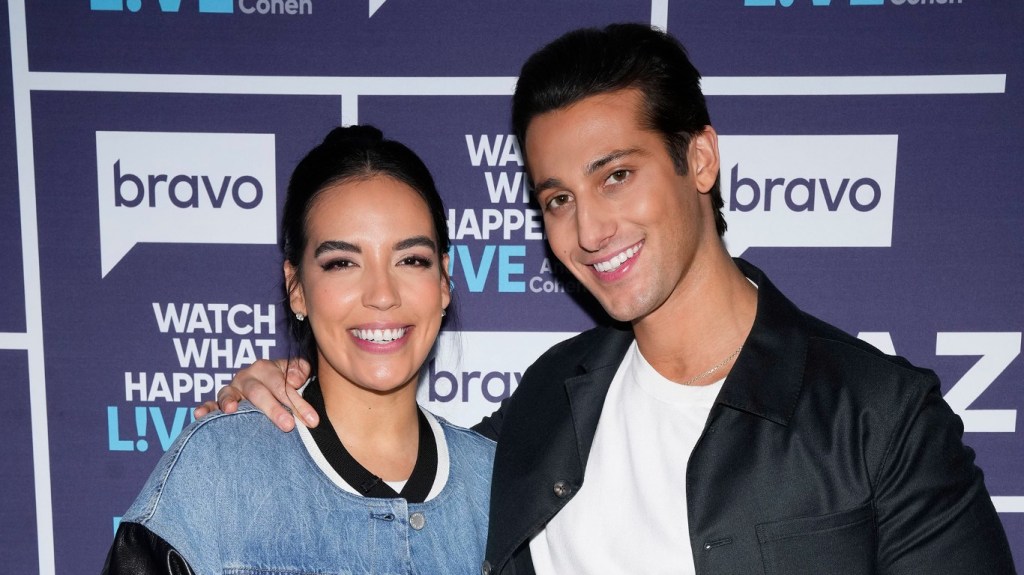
<point x="997" y="351"/>
<point x="504" y="188"/>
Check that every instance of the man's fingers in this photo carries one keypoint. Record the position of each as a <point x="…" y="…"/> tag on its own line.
<point x="302" y="407"/>
<point x="296" y="372"/>
<point x="204" y="409"/>
<point x="228" y="398"/>
<point x="269" y="386"/>
<point x="266" y="400"/>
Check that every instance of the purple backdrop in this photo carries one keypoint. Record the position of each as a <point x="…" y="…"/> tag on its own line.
<point x="122" y="362"/>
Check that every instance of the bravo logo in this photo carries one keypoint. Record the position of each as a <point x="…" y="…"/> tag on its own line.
<point x="808" y="191"/>
<point x="471" y="372"/>
<point x="158" y="187"/>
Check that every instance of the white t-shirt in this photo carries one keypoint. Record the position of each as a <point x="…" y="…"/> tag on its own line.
<point x="630" y="514"/>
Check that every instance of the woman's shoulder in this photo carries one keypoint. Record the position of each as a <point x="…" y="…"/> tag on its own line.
<point x="209" y="449"/>
<point x="246" y="426"/>
<point x="220" y="440"/>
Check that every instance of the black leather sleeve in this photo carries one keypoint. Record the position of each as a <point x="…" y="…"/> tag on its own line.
<point x="137" y="550"/>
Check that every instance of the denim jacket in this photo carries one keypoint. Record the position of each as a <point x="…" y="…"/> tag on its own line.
<point x="236" y="495"/>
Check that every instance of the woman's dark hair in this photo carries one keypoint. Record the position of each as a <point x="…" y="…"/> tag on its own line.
<point x="349" y="153"/>
<point x="592" y="61"/>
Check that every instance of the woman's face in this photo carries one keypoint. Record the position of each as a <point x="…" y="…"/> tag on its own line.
<point x="372" y="285"/>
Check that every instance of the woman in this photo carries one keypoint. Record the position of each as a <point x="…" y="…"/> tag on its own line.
<point x="380" y="486"/>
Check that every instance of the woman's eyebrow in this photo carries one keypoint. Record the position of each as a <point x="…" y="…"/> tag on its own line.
<point x="336" y="245"/>
<point x="416" y="241"/>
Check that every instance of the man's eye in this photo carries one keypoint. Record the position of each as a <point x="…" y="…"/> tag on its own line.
<point x="618" y="176"/>
<point x="558" y="200"/>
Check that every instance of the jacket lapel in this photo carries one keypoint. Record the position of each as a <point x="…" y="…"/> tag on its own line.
<point x="775" y="351"/>
<point x="587" y="391"/>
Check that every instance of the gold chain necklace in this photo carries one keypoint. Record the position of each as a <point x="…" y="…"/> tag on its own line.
<point x="717" y="367"/>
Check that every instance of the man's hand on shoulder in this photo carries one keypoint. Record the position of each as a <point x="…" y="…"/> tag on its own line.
<point x="269" y="386"/>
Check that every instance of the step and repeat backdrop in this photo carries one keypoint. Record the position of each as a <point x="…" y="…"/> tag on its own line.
<point x="872" y="164"/>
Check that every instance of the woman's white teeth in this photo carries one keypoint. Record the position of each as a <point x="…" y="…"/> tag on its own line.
<point x="379" y="335"/>
<point x="615" y="262"/>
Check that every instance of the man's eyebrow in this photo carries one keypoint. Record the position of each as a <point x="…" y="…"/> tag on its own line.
<point x="608" y="158"/>
<point x="548" y="183"/>
<point x="590" y="168"/>
<point x="414" y="242"/>
<point x="333" y="245"/>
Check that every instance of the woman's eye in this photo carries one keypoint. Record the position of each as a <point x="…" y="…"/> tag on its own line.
<point x="336" y="264"/>
<point x="618" y="176"/>
<point x="418" y="261"/>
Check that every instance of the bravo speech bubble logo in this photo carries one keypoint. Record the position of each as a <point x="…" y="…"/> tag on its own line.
<point x="808" y="191"/>
<point x="162" y="187"/>
<point x="470" y="373"/>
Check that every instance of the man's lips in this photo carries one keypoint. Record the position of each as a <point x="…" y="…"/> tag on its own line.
<point x="615" y="262"/>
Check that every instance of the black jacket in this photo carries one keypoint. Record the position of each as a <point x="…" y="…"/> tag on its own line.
<point x="820" y="455"/>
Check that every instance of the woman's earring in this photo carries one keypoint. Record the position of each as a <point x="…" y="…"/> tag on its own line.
<point x="442" y="312"/>
<point x="300" y="317"/>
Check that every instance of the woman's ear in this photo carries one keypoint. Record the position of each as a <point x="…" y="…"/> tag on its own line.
<point x="703" y="158"/>
<point x="296" y="297"/>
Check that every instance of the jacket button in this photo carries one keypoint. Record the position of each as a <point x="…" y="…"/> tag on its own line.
<point x="417" y="520"/>
<point x="485" y="569"/>
<point x="562" y="489"/>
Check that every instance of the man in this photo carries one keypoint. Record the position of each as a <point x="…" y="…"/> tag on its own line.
<point x="723" y="431"/>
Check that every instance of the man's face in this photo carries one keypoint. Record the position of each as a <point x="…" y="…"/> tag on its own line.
<point x="616" y="212"/>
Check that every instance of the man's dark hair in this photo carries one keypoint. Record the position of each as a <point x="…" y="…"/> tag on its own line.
<point x="592" y="61"/>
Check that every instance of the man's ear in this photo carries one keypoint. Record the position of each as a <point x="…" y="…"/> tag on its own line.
<point x="296" y="297"/>
<point x="446" y="294"/>
<point x="703" y="158"/>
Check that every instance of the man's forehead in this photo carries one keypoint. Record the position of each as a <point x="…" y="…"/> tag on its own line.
<point x="603" y="127"/>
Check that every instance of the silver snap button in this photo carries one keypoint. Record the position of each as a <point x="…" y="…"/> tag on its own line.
<point x="485" y="569"/>
<point x="417" y="520"/>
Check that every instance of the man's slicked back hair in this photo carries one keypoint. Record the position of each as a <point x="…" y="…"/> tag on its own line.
<point x="592" y="61"/>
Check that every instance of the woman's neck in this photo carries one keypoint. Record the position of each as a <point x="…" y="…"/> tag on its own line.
<point x="379" y="430"/>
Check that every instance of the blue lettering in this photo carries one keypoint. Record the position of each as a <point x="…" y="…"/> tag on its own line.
<point x="209" y="6"/>
<point x="506" y="268"/>
<point x="114" y="441"/>
<point x="166" y="436"/>
<point x="476" y="278"/>
<point x="788" y="3"/>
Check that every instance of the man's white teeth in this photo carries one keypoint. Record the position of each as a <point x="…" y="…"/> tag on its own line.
<point x="379" y="335"/>
<point x="615" y="262"/>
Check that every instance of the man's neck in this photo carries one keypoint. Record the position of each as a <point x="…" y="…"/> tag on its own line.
<point x="704" y="321"/>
